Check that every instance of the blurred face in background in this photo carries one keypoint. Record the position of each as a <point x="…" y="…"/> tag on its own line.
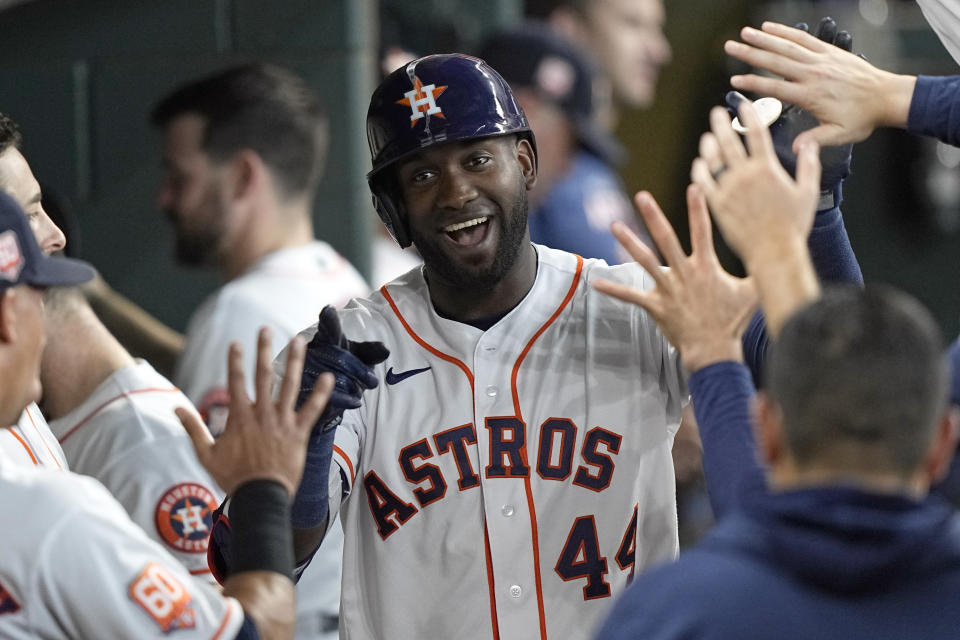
<point x="193" y="192"/>
<point x="626" y="38"/>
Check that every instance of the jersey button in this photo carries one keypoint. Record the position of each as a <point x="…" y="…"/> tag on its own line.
<point x="492" y="391"/>
<point x="516" y="591"/>
<point x="490" y="348"/>
<point x="507" y="510"/>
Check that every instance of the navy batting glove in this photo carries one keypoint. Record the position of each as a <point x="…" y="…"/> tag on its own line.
<point x="350" y="362"/>
<point x="352" y="366"/>
<point x="793" y="120"/>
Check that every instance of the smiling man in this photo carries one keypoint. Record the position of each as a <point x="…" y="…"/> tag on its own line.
<point x="512" y="468"/>
<point x="508" y="468"/>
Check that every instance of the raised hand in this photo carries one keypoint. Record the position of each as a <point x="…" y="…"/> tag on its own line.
<point x="264" y="439"/>
<point x="848" y="95"/>
<point x="763" y="213"/>
<point x="700" y="308"/>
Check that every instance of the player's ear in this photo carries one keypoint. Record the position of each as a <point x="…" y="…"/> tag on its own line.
<point x="8" y="315"/>
<point x="528" y="162"/>
<point x="942" y="447"/>
<point x="247" y="172"/>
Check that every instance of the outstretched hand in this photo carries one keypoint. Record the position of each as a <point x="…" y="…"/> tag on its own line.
<point x="264" y="439"/>
<point x="700" y="308"/>
<point x="763" y="213"/>
<point x="848" y="95"/>
<point x="756" y="204"/>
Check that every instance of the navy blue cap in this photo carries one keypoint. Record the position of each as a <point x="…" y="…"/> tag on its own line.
<point x="22" y="261"/>
<point x="533" y="56"/>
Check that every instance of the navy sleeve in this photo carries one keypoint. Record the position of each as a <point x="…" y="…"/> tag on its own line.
<point x="833" y="260"/>
<point x="935" y="108"/>
<point x="721" y="394"/>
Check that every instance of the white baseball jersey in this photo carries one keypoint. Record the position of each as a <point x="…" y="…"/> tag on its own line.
<point x="75" y="566"/>
<point x="285" y="290"/>
<point x="944" y="17"/>
<point x="506" y="483"/>
<point x="126" y="435"/>
<point x="30" y="441"/>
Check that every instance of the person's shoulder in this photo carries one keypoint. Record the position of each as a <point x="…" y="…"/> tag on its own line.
<point x="59" y="492"/>
<point x="565" y="264"/>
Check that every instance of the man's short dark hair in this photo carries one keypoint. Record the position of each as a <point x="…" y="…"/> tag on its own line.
<point x="261" y="107"/>
<point x="861" y="378"/>
<point x="9" y="133"/>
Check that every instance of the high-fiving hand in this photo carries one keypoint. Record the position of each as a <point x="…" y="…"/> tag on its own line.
<point x="700" y="308"/>
<point x="265" y="439"/>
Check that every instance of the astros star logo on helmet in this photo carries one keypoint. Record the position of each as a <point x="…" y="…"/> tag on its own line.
<point x="422" y="100"/>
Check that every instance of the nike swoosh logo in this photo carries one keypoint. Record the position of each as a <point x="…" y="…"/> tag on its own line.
<point x="394" y="378"/>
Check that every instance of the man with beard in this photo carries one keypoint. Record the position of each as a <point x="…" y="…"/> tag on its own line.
<point x="507" y="468"/>
<point x="243" y="152"/>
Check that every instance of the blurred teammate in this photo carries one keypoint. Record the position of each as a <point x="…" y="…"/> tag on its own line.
<point x="243" y="152"/>
<point x="578" y="194"/>
<point x="625" y="38"/>
<point x="74" y="565"/>
<point x="114" y="416"/>
<point x="29" y="441"/>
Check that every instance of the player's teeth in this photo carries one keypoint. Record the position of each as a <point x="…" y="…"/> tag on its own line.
<point x="463" y="225"/>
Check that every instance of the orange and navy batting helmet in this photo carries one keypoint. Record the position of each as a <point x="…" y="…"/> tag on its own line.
<point x="433" y="100"/>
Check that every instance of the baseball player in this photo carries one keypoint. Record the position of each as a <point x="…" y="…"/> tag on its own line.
<point x="29" y="441"/>
<point x="512" y="468"/>
<point x="114" y="417"/>
<point x="262" y="128"/>
<point x="508" y="468"/>
<point x="74" y="565"/>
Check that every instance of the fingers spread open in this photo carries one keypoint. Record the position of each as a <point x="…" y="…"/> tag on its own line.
<point x="802" y="38"/>
<point x="700" y="175"/>
<point x="788" y="49"/>
<point x="636" y="248"/>
<point x="783" y="90"/>
<point x="199" y="435"/>
<point x="701" y="231"/>
<point x="644" y="299"/>
<point x="809" y="168"/>
<point x="710" y="152"/>
<point x="236" y="384"/>
<point x="758" y="135"/>
<point x="263" y="381"/>
<point x="659" y="228"/>
<point x="731" y="149"/>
